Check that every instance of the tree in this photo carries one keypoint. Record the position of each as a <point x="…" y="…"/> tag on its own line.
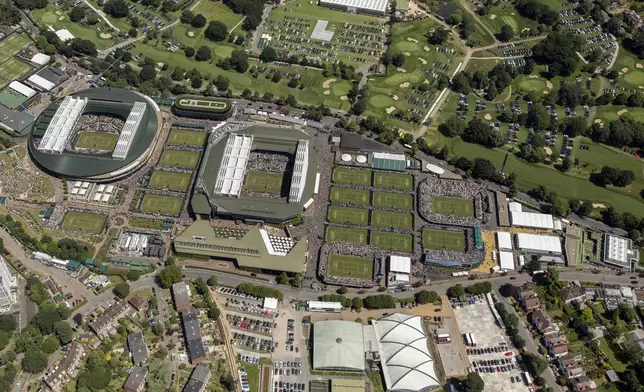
<point x="397" y="59"/>
<point x="196" y="82"/>
<point x="268" y="55"/>
<point x="473" y="383"/>
<point x="283" y="278"/>
<point x="518" y="341"/>
<point x="50" y="344"/>
<point x="221" y="83"/>
<point x="34" y="361"/>
<point x="116" y="8"/>
<point x="203" y="54"/>
<point x="216" y="31"/>
<point x="506" y="33"/>
<point x="7" y="323"/>
<point x="9" y="15"/>
<point x="534" y="364"/>
<point x="456" y="291"/>
<point x="169" y="276"/>
<point x="343" y="290"/>
<point x="133" y="32"/>
<point x="77" y="13"/>
<point x="198" y="21"/>
<point x="157" y="329"/>
<point x="189" y="51"/>
<point x="186" y="17"/>
<point x="438" y="36"/>
<point x="484" y="169"/>
<point x="357" y="304"/>
<point x="64" y="332"/>
<point x="212" y="281"/>
<point x="461" y="83"/>
<point x="453" y="126"/>
<point x="427" y="297"/>
<point x="558" y="51"/>
<point x="122" y="289"/>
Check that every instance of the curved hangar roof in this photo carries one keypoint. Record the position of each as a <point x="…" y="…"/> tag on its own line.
<point x="407" y="363"/>
<point x="100" y="100"/>
<point x="338" y="344"/>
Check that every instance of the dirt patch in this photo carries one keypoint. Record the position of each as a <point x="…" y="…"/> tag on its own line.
<point x="640" y="86"/>
<point x="403" y="70"/>
<point x="61" y="18"/>
<point x="407" y="54"/>
<point x="327" y="92"/>
<point x="422" y="60"/>
<point x="639" y="65"/>
<point x="412" y="39"/>
<point x="105" y="35"/>
<point x="488" y="116"/>
<point x="548" y="150"/>
<point x="404" y="85"/>
<point x="390" y="109"/>
<point x="492" y="17"/>
<point x="426" y="48"/>
<point x="549" y="84"/>
<point x="625" y="69"/>
<point x="344" y="98"/>
<point x="327" y="83"/>
<point x="395" y="97"/>
<point x="533" y="76"/>
<point x="426" y="81"/>
<point x="191" y="34"/>
<point x="622" y="112"/>
<point x="546" y="91"/>
<point x="598" y="205"/>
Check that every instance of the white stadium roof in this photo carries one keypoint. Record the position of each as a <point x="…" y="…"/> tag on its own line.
<point x="338" y="344"/>
<point x="371" y="5"/>
<point x="506" y="261"/>
<point x="400" y="264"/>
<point x="504" y="240"/>
<point x="407" y="363"/>
<point x="532" y="219"/>
<point x="41" y="82"/>
<point x="539" y="243"/>
<point x="22" y="89"/>
<point x="233" y="165"/>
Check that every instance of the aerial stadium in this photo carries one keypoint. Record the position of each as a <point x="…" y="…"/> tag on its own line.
<point x="202" y="107"/>
<point x="99" y="135"/>
<point x="256" y="173"/>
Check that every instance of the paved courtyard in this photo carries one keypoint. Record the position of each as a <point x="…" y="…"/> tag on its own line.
<point x="452" y="354"/>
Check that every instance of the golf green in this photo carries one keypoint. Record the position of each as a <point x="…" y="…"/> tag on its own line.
<point x="408" y="46"/>
<point x="381" y="101"/>
<point x="537" y="85"/>
<point x="634" y="77"/>
<point x="340" y="88"/>
<point x="223" y="51"/>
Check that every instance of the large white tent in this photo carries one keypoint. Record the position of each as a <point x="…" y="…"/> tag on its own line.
<point x="539" y="243"/>
<point x="504" y="240"/>
<point x="532" y="219"/>
<point x="41" y="82"/>
<point x="22" y="89"/>
<point x="506" y="261"/>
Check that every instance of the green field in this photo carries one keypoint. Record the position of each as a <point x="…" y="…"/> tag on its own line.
<point x="506" y="13"/>
<point x="392" y="219"/>
<point x="392" y="241"/>
<point x="84" y="221"/>
<point x="182" y="137"/>
<point x="264" y="182"/>
<point x="97" y="141"/>
<point x="403" y="182"/>
<point x="344" y="234"/>
<point x="348" y="195"/>
<point x="185" y="159"/>
<point x="13" y="69"/>
<point x="161" y="204"/>
<point x="452" y="206"/>
<point x="350" y="267"/>
<point x="348" y="215"/>
<point x="145" y="223"/>
<point x="444" y="239"/>
<point x="12" y="45"/>
<point x="400" y="201"/>
<point x="351" y="176"/>
<point x="217" y="11"/>
<point x="170" y="180"/>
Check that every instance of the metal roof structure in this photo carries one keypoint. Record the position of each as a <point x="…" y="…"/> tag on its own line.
<point x="407" y="363"/>
<point x="40" y="58"/>
<point x="129" y="130"/>
<point x="300" y="168"/>
<point x="504" y="240"/>
<point x="41" y="82"/>
<point x="61" y="125"/>
<point x="389" y="161"/>
<point x="233" y="165"/>
<point x="377" y="6"/>
<point x="400" y="264"/>
<point x="22" y="89"/>
<point x="338" y="344"/>
<point x="64" y="35"/>
<point x="347" y="385"/>
<point x="532" y="219"/>
<point x="506" y="261"/>
<point x="538" y="243"/>
<point x="619" y="251"/>
<point x="270" y="303"/>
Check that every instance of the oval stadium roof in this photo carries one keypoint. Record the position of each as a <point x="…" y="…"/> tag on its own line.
<point x="338" y="344"/>
<point x="407" y="363"/>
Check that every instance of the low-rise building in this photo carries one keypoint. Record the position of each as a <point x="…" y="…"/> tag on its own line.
<point x="137" y="347"/>
<point x="104" y="325"/>
<point x="543" y="323"/>
<point x="66" y="369"/>
<point x="570" y="367"/>
<point x="637" y="337"/>
<point x="192" y="335"/>
<point x="181" y="295"/>
<point x="584" y="384"/>
<point x="139" y="303"/>
<point x="136" y="380"/>
<point x="619" y="252"/>
<point x="573" y="294"/>
<point x="198" y="380"/>
<point x="527" y="297"/>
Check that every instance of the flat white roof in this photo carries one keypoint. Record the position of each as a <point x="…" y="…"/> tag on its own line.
<point x="64" y="35"/>
<point x="129" y="130"/>
<point x="532" y="219"/>
<point x="504" y="240"/>
<point x="270" y="303"/>
<point x="539" y="243"/>
<point x="506" y="261"/>
<point x="400" y="264"/>
<point x="22" y="89"/>
<point x="324" y="305"/>
<point x="233" y="165"/>
<point x="40" y="58"/>
<point x="389" y="156"/>
<point x="41" y="82"/>
<point x="61" y="125"/>
<point x="618" y="250"/>
<point x="371" y="5"/>
<point x="514" y="206"/>
<point x="300" y="168"/>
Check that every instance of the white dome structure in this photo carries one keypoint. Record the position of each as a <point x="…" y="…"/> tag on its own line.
<point x="338" y="345"/>
<point x="407" y="363"/>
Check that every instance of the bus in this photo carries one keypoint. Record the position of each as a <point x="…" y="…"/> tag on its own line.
<point x="472" y="339"/>
<point x="468" y="342"/>
<point x="527" y="379"/>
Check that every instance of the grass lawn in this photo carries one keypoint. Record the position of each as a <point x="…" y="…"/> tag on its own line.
<point x="183" y="137"/>
<point x="161" y="204"/>
<point x="610" y="355"/>
<point x="392" y="241"/>
<point x="347" y="195"/>
<point x="145" y="223"/>
<point x="347" y="215"/>
<point x="483" y="65"/>
<point x="252" y="371"/>
<point x="14" y="69"/>
<point x="443" y="239"/>
<point x="84" y="221"/>
<point x="170" y="180"/>
<point x="400" y="201"/>
<point x="344" y="234"/>
<point x="506" y="13"/>
<point x="217" y="11"/>
<point x="630" y="76"/>
<point x="12" y="45"/>
<point x="392" y="219"/>
<point x="97" y="141"/>
<point x="611" y="113"/>
<point x="185" y="159"/>
<point x="452" y="206"/>
<point x="350" y="267"/>
<point x="264" y="182"/>
<point x="402" y="182"/>
<point x="351" y="176"/>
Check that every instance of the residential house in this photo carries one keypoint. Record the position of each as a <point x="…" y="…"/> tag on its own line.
<point x="104" y="325"/>
<point x="573" y="294"/>
<point x="66" y="369"/>
<point x="639" y="296"/>
<point x="632" y="18"/>
<point x="527" y="297"/>
<point x="139" y="303"/>
<point x="612" y="376"/>
<point x="556" y="344"/>
<point x="192" y="335"/>
<point x="181" y="295"/>
<point x="584" y="384"/>
<point x="136" y="380"/>
<point x="637" y="337"/>
<point x="570" y="367"/>
<point x="138" y="349"/>
<point x="612" y="298"/>
<point x="198" y="380"/>
<point x="543" y="323"/>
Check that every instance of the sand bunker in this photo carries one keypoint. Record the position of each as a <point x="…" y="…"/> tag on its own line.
<point x="407" y="54"/>
<point x="624" y="69"/>
<point x="533" y="76"/>
<point x="639" y="65"/>
<point x="640" y="86"/>
<point x="598" y="205"/>
<point x="512" y="13"/>
<point x="327" y="83"/>
<point x="344" y="98"/>
<point x="61" y="18"/>
<point x="191" y="34"/>
<point x="327" y="92"/>
<point x="395" y="97"/>
<point x="412" y="40"/>
<point x="488" y="116"/>
<point x="548" y="150"/>
<point x="599" y="121"/>
<point x="422" y="60"/>
<point x="105" y="35"/>
<point x="492" y="16"/>
<point x="426" y="81"/>
<point x="404" y="85"/>
<point x="546" y="91"/>
<point x="549" y="84"/>
<point x="390" y="109"/>
<point x="622" y="112"/>
<point x="371" y="79"/>
<point x="426" y="48"/>
<point x="402" y="70"/>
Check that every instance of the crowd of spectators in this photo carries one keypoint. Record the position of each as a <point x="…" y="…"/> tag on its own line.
<point x="269" y="161"/>
<point x="470" y="257"/>
<point x="338" y="248"/>
<point x="433" y="186"/>
<point x="99" y="123"/>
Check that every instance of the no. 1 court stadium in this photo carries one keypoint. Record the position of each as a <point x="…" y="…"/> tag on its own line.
<point x="350" y="267"/>
<point x="84" y="221"/>
<point x="202" y="107"/>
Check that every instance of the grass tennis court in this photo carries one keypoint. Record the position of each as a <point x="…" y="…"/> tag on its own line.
<point x="392" y="241"/>
<point x="186" y="159"/>
<point x="14" y="69"/>
<point x="350" y="267"/>
<point x="161" y="204"/>
<point x="348" y="215"/>
<point x="170" y="180"/>
<point x="12" y="45"/>
<point x="444" y="239"/>
<point x="351" y="176"/>
<point x="392" y="219"/>
<point x="264" y="182"/>
<point x="11" y="99"/>
<point x="182" y="137"/>
<point x="403" y="182"/>
<point x="400" y="201"/>
<point x="347" y="195"/>
<point x="84" y="221"/>
<point x="452" y="206"/>
<point x="97" y="141"/>
<point x="343" y="234"/>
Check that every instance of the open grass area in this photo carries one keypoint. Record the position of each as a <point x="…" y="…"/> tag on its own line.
<point x="217" y="11"/>
<point x="351" y="176"/>
<point x="443" y="239"/>
<point x="13" y="69"/>
<point x="97" y="141"/>
<point x="145" y="223"/>
<point x="344" y="234"/>
<point x="252" y="371"/>
<point x="392" y="219"/>
<point x="350" y="267"/>
<point x="185" y="159"/>
<point x="392" y="241"/>
<point x="12" y="45"/>
<point x="403" y="182"/>
<point x="264" y="182"/>
<point x="506" y="13"/>
<point x="161" y="204"/>
<point x="182" y="137"/>
<point x="610" y="113"/>
<point x="605" y="347"/>
<point x="348" y="195"/>
<point x="84" y="221"/>
<point x="170" y="180"/>
<point x="348" y="215"/>
<point x="400" y="201"/>
<point x="630" y="75"/>
<point x="452" y="206"/>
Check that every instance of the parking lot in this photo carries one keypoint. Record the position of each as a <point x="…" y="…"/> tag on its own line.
<point x="454" y="362"/>
<point x="493" y="357"/>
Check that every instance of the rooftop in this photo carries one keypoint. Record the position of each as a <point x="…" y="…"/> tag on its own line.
<point x="135" y="379"/>
<point x="137" y="347"/>
<point x="338" y="344"/>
